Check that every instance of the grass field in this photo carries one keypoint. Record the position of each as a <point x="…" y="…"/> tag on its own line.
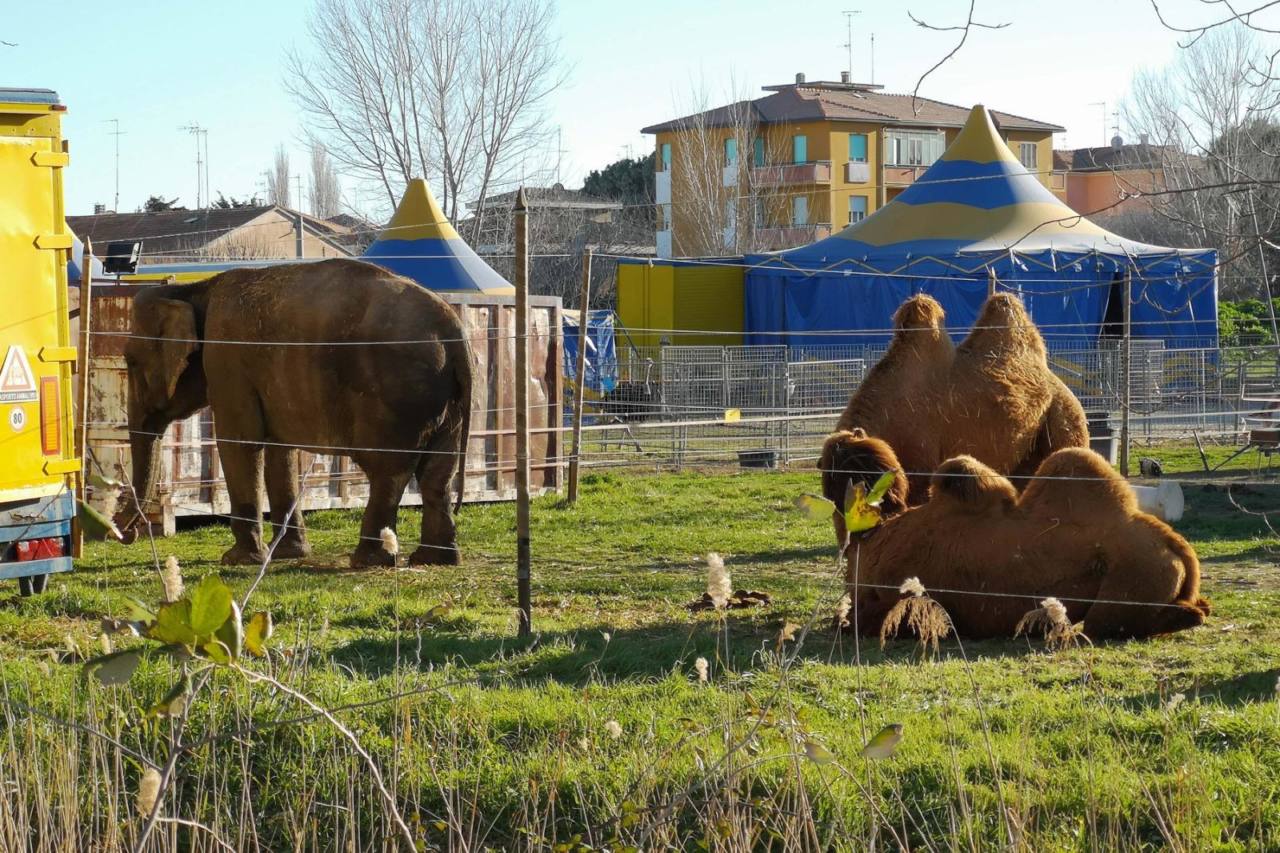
<point x="487" y="741"/>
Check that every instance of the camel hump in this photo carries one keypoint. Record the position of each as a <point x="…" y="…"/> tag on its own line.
<point x="919" y="312"/>
<point x="968" y="481"/>
<point x="1076" y="476"/>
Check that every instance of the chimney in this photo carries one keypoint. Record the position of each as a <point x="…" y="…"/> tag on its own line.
<point x="799" y="78"/>
<point x="99" y="209"/>
<point x="1143" y="138"/>
<point x="844" y="77"/>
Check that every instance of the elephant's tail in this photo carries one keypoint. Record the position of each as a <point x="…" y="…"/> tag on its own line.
<point x="464" y="369"/>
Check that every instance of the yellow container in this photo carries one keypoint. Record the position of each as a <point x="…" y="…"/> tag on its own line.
<point x="38" y="456"/>
<point x="687" y="303"/>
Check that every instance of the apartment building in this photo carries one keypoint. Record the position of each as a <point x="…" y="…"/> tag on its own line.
<point x="807" y="159"/>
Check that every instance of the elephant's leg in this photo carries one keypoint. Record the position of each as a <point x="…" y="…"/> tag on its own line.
<point x="283" y="484"/>
<point x="387" y="479"/>
<point x="439" y="545"/>
<point x="241" y="465"/>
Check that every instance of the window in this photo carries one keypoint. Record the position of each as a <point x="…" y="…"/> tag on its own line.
<point x="799" y="149"/>
<point x="730" y="151"/>
<point x="857" y="208"/>
<point x="757" y="149"/>
<point x="858" y="147"/>
<point x="1027" y="154"/>
<point x="666" y="156"/>
<point x="800" y="210"/>
<point x="913" y="148"/>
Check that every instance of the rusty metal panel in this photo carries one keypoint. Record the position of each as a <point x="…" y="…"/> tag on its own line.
<point x="190" y="479"/>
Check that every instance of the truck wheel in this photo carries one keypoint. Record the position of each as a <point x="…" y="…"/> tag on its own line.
<point x="33" y="584"/>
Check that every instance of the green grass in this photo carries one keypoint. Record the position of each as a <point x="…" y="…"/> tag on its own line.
<point x="504" y="741"/>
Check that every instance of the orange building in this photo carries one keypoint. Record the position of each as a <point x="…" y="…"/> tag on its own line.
<point x="1101" y="181"/>
<point x="806" y="160"/>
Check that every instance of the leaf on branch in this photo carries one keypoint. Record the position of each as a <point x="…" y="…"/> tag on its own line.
<point x="172" y="625"/>
<point x="257" y="632"/>
<point x="175" y="701"/>
<point x="210" y="605"/>
<point x="96" y="526"/>
<point x="217" y="652"/>
<point x="232" y="632"/>
<point x="859" y="514"/>
<point x="881" y="488"/>
<point x="816" y="507"/>
<point x="116" y="668"/>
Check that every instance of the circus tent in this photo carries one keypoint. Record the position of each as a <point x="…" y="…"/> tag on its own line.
<point x="977" y="211"/>
<point x="420" y="243"/>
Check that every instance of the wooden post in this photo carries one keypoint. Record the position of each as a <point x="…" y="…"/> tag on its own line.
<point x="991" y="282"/>
<point x="1126" y="371"/>
<point x="523" y="595"/>
<point x="584" y="306"/>
<point x="82" y="366"/>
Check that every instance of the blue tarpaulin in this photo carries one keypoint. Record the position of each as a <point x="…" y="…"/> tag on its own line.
<point x="601" y="367"/>
<point x="978" y="210"/>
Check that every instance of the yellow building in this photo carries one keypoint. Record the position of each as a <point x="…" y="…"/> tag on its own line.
<point x="805" y="160"/>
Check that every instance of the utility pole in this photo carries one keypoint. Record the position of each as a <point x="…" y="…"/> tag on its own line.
<point x="1126" y="371"/>
<point x="195" y="130"/>
<point x="117" y="133"/>
<point x="208" y="195"/>
<point x="848" y="27"/>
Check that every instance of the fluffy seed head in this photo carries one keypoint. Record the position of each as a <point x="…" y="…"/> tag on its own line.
<point x="842" y="610"/>
<point x="390" y="543"/>
<point x="719" y="585"/>
<point x="1054" y="609"/>
<point x="703" y="668"/>
<point x="614" y="729"/>
<point x="912" y="586"/>
<point x="171" y="578"/>
<point x="148" y="790"/>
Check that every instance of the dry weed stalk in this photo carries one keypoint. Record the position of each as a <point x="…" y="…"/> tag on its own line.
<point x="1051" y="619"/>
<point x="924" y="616"/>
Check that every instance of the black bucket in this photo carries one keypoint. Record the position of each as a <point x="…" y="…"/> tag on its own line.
<point x="757" y="459"/>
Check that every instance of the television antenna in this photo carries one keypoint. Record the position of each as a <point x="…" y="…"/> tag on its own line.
<point x="848" y="26"/>
<point x="202" y="160"/>
<point x="117" y="133"/>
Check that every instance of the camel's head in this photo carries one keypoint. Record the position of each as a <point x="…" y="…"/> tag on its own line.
<point x="919" y="312"/>
<point x="853" y="456"/>
<point x="967" y="482"/>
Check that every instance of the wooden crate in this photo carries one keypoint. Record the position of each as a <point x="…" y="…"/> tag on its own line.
<point x="190" y="479"/>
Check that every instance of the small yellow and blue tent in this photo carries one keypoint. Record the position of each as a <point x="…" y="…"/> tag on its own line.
<point x="978" y="209"/>
<point x="420" y="243"/>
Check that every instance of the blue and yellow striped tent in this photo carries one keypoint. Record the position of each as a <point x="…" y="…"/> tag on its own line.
<point x="977" y="209"/>
<point x="420" y="243"/>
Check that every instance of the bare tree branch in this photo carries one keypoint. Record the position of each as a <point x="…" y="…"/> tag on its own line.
<point x="963" y="29"/>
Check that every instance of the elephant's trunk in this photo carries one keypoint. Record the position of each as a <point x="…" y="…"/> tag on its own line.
<point x="146" y="449"/>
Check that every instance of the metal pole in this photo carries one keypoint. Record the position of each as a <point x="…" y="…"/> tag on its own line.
<point x="584" y="305"/>
<point x="991" y="281"/>
<point x="298" y="249"/>
<point x="1126" y="369"/>
<point x="524" y="597"/>
<point x="1266" y="278"/>
<point x="82" y="423"/>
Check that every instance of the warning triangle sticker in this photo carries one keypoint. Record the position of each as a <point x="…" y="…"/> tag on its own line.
<point x="17" y="382"/>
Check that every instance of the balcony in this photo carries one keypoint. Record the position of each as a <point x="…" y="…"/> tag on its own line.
<point x="791" y="174"/>
<point x="769" y="238"/>
<point x="902" y="176"/>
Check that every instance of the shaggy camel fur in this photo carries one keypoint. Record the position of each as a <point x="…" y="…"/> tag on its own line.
<point x="993" y="397"/>
<point x="1076" y="534"/>
<point x="901" y="398"/>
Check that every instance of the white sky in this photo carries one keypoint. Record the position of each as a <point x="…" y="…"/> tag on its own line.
<point x="157" y="66"/>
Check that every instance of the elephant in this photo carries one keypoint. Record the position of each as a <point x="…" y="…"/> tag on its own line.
<point x="335" y="356"/>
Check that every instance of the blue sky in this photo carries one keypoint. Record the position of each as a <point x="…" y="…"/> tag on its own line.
<point x="157" y="66"/>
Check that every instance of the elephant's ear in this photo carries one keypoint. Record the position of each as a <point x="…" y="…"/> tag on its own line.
<point x="179" y="341"/>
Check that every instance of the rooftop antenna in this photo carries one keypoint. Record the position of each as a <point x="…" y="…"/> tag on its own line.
<point x="117" y="133"/>
<point x="195" y="130"/>
<point x="848" y="43"/>
<point x="873" y="58"/>
<point x="1102" y="104"/>
<point x="560" y="152"/>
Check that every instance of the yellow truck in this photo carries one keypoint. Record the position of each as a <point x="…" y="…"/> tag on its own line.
<point x="39" y="461"/>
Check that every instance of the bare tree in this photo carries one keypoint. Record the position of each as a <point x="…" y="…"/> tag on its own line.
<point x="326" y="191"/>
<point x="1210" y="122"/>
<point x="450" y="90"/>
<point x="278" y="178"/>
